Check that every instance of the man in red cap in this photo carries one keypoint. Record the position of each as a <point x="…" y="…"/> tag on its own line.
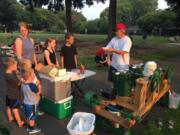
<point x="119" y="47"/>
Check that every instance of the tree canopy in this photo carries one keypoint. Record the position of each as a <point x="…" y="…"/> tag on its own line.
<point x="10" y="13"/>
<point x="175" y="6"/>
<point x="157" y="20"/>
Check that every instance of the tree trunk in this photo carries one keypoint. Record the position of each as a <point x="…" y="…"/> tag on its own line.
<point x="68" y="4"/>
<point x="111" y="18"/>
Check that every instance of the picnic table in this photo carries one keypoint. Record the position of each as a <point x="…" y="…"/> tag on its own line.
<point x="4" y="50"/>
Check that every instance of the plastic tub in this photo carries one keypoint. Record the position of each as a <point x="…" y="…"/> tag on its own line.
<point x="75" y="120"/>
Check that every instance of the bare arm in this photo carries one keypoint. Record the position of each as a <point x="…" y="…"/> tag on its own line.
<point x="120" y="52"/>
<point x="39" y="87"/>
<point x="35" y="58"/>
<point x="57" y="62"/>
<point x="18" y="44"/>
<point x="62" y="61"/>
<point x="108" y="58"/>
<point x="112" y="50"/>
<point x="76" y="60"/>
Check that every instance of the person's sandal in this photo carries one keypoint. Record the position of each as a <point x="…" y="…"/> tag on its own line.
<point x="170" y="124"/>
<point x="11" y="120"/>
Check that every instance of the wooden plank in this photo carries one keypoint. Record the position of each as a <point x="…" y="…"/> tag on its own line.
<point x="114" y="118"/>
<point x="151" y="101"/>
<point x="125" y="102"/>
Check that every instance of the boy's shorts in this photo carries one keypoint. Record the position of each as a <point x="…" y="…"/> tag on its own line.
<point x="30" y="111"/>
<point x="12" y="103"/>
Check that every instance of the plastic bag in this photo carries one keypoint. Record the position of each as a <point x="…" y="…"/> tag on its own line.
<point x="174" y="99"/>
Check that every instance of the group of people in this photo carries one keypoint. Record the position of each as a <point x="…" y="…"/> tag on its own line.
<point x="22" y="81"/>
<point x="23" y="92"/>
<point x="25" y="49"/>
<point x="23" y="84"/>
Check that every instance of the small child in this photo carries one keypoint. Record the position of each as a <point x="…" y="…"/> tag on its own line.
<point x="26" y="64"/>
<point x="69" y="53"/>
<point x="13" y="96"/>
<point x="31" y="99"/>
<point x="50" y="54"/>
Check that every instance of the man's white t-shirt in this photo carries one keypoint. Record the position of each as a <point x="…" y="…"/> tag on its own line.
<point x="120" y="62"/>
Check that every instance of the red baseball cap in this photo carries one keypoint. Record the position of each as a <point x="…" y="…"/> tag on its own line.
<point x="120" y="26"/>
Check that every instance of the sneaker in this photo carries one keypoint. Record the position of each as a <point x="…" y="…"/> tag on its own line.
<point x="40" y="113"/>
<point x="34" y="130"/>
<point x="28" y="129"/>
<point x="170" y="124"/>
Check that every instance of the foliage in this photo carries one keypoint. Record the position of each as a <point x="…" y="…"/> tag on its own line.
<point x="57" y="5"/>
<point x="157" y="20"/>
<point x="10" y="14"/>
<point x="175" y="6"/>
<point x="129" y="11"/>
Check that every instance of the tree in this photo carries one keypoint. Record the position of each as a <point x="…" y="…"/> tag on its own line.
<point x="111" y="18"/>
<point x="10" y="13"/>
<point x="175" y="6"/>
<point x="56" y="5"/>
<point x="78" y="26"/>
<point x="157" y="20"/>
<point x="92" y="26"/>
<point x="142" y="7"/>
<point x="31" y="4"/>
<point x="129" y="11"/>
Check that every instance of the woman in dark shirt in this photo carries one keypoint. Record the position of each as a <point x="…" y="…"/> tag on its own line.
<point x="50" y="54"/>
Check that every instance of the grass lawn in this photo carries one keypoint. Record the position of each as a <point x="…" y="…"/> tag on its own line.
<point x="7" y="38"/>
<point x="150" y="41"/>
<point x="151" y="127"/>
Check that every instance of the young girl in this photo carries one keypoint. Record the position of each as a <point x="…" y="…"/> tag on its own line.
<point x="50" y="54"/>
<point x="69" y="53"/>
<point x="13" y="91"/>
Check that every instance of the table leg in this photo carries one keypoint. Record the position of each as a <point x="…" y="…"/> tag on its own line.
<point x="77" y="90"/>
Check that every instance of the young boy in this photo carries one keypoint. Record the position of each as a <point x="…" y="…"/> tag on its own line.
<point x="25" y="64"/>
<point x="69" y="53"/>
<point x="13" y="91"/>
<point x="31" y="99"/>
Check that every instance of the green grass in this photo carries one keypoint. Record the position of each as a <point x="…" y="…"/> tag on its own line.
<point x="151" y="128"/>
<point x="89" y="63"/>
<point x="150" y="41"/>
<point x="7" y="38"/>
<point x="162" y="55"/>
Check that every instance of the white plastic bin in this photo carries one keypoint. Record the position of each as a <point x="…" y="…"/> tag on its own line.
<point x="87" y="117"/>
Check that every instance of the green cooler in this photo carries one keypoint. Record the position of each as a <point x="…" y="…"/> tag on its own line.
<point x="122" y="83"/>
<point x="60" y="109"/>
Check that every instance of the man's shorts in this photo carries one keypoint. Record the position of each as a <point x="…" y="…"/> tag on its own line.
<point x="111" y="71"/>
<point x="30" y="111"/>
<point x="12" y="103"/>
